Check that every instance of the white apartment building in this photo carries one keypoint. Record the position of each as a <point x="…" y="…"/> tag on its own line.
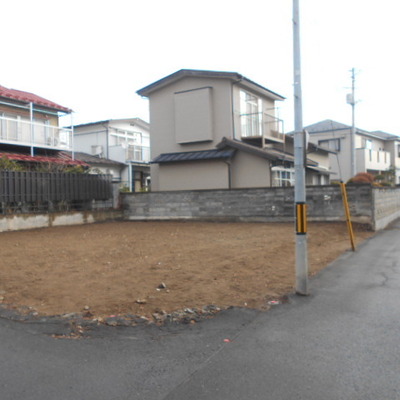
<point x="123" y="140"/>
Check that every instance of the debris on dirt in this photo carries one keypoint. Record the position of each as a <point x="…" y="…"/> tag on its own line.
<point x="162" y="285"/>
<point x="111" y="321"/>
<point x="274" y="302"/>
<point x="88" y="314"/>
<point x="141" y="301"/>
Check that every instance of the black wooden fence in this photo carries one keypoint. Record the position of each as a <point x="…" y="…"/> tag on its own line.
<point x="52" y="191"/>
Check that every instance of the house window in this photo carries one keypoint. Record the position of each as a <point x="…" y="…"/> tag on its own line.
<point x="282" y="176"/>
<point x="368" y="144"/>
<point x="127" y="138"/>
<point x="330" y="144"/>
<point x="250" y="114"/>
<point x="10" y="127"/>
<point x="398" y="150"/>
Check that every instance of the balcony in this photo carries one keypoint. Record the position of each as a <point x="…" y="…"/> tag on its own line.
<point x="137" y="153"/>
<point x="261" y="126"/>
<point x="372" y="160"/>
<point x="25" y="133"/>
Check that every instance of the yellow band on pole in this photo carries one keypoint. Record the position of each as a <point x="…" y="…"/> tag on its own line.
<point x="301" y="218"/>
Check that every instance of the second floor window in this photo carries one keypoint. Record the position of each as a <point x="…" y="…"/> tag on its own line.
<point x="368" y="144"/>
<point x="250" y="114"/>
<point x="330" y="144"/>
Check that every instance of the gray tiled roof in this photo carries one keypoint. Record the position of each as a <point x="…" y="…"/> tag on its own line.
<point x="329" y="125"/>
<point x="385" y="135"/>
<point x="193" y="156"/>
<point x="90" y="159"/>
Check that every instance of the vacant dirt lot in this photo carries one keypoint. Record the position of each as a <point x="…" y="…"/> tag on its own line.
<point x="116" y="268"/>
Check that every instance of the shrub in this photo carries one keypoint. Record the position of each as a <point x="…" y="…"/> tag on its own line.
<point x="9" y="165"/>
<point x="362" y="177"/>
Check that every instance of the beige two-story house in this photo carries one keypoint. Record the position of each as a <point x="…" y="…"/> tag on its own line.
<point x="219" y="130"/>
<point x="376" y="152"/>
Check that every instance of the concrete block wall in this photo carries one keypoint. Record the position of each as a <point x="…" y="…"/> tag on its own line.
<point x="16" y="222"/>
<point x="386" y="205"/>
<point x="262" y="204"/>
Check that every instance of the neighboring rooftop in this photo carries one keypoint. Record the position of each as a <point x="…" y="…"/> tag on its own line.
<point x="93" y="160"/>
<point x="183" y="73"/>
<point x="385" y="135"/>
<point x="26" y="97"/>
<point x="329" y="125"/>
<point x="133" y="121"/>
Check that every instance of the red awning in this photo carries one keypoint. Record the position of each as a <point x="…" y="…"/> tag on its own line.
<point x="60" y="159"/>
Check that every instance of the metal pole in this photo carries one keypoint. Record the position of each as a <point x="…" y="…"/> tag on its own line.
<point x="299" y="186"/>
<point x="353" y="126"/>
<point x="32" y="128"/>
<point x="130" y="177"/>
<point x="72" y="137"/>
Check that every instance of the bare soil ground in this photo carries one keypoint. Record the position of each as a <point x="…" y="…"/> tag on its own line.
<point x="116" y="268"/>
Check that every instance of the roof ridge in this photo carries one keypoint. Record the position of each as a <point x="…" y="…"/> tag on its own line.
<point x="29" y="97"/>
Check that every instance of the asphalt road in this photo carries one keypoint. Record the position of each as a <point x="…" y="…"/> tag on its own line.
<point x="341" y="342"/>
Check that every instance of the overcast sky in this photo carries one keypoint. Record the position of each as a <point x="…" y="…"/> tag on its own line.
<point x="93" y="55"/>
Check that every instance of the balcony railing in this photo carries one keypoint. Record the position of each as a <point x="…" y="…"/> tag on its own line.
<point x="32" y="134"/>
<point x="137" y="153"/>
<point x="261" y="125"/>
<point x="372" y="160"/>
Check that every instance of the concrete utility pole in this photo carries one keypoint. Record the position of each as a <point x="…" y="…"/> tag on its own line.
<point x="299" y="152"/>
<point x="351" y="100"/>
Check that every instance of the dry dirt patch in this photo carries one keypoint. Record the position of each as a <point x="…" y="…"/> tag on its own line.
<point x="109" y="267"/>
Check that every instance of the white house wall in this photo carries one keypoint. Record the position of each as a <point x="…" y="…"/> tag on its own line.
<point x="87" y="137"/>
<point x="376" y="144"/>
<point x="116" y="153"/>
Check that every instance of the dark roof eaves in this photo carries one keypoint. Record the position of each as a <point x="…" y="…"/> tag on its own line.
<point x="203" y="73"/>
<point x="264" y="153"/>
<point x="188" y="156"/>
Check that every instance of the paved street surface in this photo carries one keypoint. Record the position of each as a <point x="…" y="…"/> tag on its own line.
<point x="342" y="342"/>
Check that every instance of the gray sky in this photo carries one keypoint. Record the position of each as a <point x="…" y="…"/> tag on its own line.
<point x="93" y="55"/>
